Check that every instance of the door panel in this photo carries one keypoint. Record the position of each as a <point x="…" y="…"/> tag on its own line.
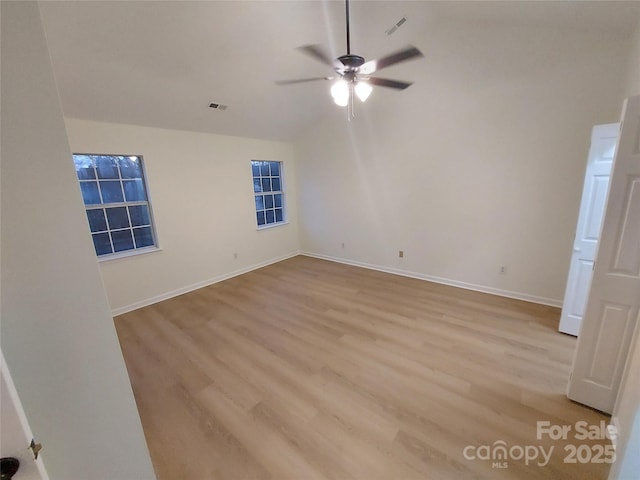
<point x="627" y="258"/>
<point x="578" y="296"/>
<point x="614" y="325"/>
<point x="613" y="306"/>
<point x="594" y="198"/>
<point x="599" y="190"/>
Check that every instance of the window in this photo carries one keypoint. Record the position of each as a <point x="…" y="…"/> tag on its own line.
<point x="268" y="191"/>
<point x="117" y="203"/>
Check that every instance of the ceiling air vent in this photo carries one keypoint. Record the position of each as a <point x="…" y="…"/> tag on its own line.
<point x="396" y="26"/>
<point x="218" y="106"/>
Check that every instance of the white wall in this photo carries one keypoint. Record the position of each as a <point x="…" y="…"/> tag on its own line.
<point x="479" y="164"/>
<point x="202" y="199"/>
<point x="58" y="336"/>
<point x="632" y="78"/>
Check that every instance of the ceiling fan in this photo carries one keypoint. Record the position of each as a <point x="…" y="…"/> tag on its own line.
<point x="353" y="71"/>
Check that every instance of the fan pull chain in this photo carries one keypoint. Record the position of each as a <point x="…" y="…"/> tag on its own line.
<point x="351" y="105"/>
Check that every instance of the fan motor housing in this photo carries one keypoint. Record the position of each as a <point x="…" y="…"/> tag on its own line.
<point x="351" y="62"/>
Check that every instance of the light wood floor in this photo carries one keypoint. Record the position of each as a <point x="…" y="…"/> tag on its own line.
<point x="308" y="369"/>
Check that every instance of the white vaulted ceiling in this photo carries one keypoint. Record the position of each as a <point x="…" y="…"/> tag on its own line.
<point x="161" y="63"/>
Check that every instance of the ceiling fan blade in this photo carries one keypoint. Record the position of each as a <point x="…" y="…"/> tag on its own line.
<point x="385" y="82"/>
<point x="384" y="62"/>
<point x="301" y="80"/>
<point x="317" y="52"/>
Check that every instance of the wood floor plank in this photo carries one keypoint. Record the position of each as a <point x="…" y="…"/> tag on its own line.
<point x="308" y="369"/>
<point x="269" y="446"/>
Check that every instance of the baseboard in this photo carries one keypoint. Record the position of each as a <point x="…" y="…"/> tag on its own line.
<point x="445" y="281"/>
<point x="195" y="286"/>
<point x="396" y="271"/>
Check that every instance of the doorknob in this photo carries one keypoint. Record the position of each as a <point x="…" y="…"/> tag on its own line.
<point x="576" y="249"/>
<point x="8" y="467"/>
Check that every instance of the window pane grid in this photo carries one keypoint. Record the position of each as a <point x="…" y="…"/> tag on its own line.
<point x="268" y="192"/>
<point x="116" y="201"/>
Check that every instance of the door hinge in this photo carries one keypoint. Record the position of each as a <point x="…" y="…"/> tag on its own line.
<point x="35" y="448"/>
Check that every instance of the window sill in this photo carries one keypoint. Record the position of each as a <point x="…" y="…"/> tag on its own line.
<point x="128" y="254"/>
<point x="271" y="225"/>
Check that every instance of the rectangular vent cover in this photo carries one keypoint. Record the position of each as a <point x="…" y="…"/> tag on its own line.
<point x="396" y="26"/>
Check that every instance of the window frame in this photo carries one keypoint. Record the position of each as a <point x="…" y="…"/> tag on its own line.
<point x="125" y="204"/>
<point x="281" y="192"/>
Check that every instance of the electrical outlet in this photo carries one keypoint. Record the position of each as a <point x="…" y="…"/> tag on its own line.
<point x="503" y="270"/>
<point x="401" y="253"/>
<point x="342" y="244"/>
<point x="235" y="256"/>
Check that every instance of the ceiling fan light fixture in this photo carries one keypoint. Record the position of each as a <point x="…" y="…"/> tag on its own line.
<point x="363" y="90"/>
<point x="340" y="93"/>
<point x="353" y="70"/>
<point x="369" y="67"/>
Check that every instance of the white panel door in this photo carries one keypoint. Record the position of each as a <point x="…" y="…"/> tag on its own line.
<point x="613" y="308"/>
<point x="15" y="433"/>
<point x="594" y="198"/>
